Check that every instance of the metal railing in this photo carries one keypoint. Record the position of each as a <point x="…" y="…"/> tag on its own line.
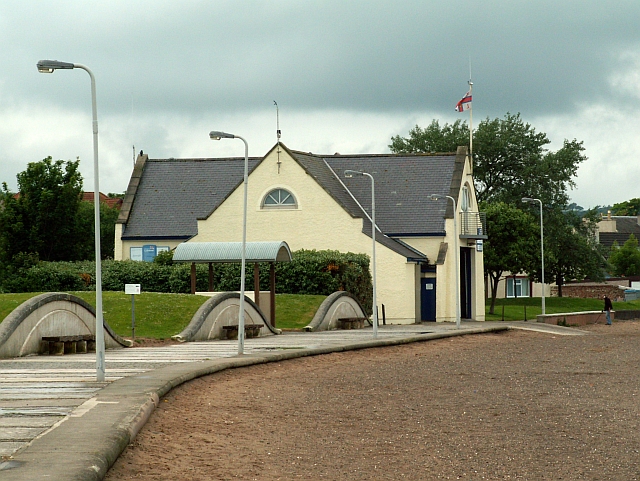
<point x="473" y="225"/>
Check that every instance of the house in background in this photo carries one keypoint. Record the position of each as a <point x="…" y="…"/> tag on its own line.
<point x="88" y="197"/>
<point x="512" y="286"/>
<point x="306" y="200"/>
<point x="104" y="199"/>
<point x="617" y="228"/>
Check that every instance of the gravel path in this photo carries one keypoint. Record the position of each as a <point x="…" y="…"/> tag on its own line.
<point x="516" y="405"/>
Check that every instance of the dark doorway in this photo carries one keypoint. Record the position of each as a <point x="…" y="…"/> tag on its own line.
<point x="465" y="283"/>
<point x="428" y="299"/>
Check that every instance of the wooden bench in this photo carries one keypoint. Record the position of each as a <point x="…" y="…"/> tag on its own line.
<point x="59" y="345"/>
<point x="250" y="331"/>
<point x="350" y="322"/>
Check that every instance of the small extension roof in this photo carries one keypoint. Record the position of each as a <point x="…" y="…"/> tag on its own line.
<point x="200" y="252"/>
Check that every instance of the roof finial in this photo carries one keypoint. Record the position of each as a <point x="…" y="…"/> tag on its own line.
<point x="278" y="133"/>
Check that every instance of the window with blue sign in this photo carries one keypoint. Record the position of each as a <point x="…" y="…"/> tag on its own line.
<point x="146" y="253"/>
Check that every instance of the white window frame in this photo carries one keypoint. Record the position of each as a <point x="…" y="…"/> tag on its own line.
<point x="522" y="286"/>
<point x="279" y="203"/>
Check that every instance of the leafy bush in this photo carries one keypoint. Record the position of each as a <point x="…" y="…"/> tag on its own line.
<point x="45" y="277"/>
<point x="310" y="272"/>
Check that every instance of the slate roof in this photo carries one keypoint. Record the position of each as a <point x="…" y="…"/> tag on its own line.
<point x="172" y="194"/>
<point x="625" y="226"/>
<point x="166" y="197"/>
<point x="402" y="184"/>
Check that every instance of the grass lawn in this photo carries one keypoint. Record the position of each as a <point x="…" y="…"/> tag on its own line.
<point x="514" y="309"/>
<point x="294" y="311"/>
<point x="158" y="316"/>
<point x="161" y="316"/>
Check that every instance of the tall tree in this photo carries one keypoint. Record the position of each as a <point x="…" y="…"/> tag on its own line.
<point x="626" y="259"/>
<point x="511" y="246"/>
<point x="433" y="138"/>
<point x="571" y="250"/>
<point x="628" y="207"/>
<point x="511" y="159"/>
<point x="85" y="223"/>
<point x="41" y="217"/>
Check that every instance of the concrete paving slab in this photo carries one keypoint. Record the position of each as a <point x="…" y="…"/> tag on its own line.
<point x="17" y="434"/>
<point x="29" y="422"/>
<point x="8" y="448"/>
<point x="36" y="404"/>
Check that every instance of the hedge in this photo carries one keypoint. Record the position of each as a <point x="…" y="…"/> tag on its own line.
<point x="310" y="272"/>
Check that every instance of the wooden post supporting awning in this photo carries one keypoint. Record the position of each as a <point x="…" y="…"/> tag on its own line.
<point x="231" y="252"/>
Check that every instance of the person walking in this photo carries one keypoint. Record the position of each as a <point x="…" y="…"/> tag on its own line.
<point x="608" y="306"/>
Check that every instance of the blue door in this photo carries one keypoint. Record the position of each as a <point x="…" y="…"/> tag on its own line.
<point x="465" y="283"/>
<point x="428" y="299"/>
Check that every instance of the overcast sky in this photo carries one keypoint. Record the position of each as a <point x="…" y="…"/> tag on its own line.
<point x="347" y="76"/>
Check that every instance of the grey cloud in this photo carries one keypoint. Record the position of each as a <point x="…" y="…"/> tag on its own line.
<point x="534" y="57"/>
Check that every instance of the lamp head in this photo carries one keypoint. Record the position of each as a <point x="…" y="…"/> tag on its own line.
<point x="435" y="197"/>
<point x="350" y="173"/>
<point x="528" y="200"/>
<point x="48" y="66"/>
<point x="215" y="135"/>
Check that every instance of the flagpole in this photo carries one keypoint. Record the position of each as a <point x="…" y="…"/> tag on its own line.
<point x="471" y="124"/>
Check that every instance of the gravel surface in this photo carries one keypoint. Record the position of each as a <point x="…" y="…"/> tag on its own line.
<point x="514" y="405"/>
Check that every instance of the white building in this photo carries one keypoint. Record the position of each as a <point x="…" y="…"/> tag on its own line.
<point x="306" y="200"/>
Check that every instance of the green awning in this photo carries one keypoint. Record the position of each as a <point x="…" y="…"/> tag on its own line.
<point x="201" y="252"/>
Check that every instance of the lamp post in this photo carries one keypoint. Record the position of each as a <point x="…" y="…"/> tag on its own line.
<point x="457" y="253"/>
<point x="349" y="174"/>
<point x="530" y="200"/>
<point x="49" y="66"/>
<point x="214" y="135"/>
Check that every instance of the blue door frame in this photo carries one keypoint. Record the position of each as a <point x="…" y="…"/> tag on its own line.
<point x="428" y="299"/>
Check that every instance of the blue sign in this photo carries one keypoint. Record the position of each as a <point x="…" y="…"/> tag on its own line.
<point x="149" y="252"/>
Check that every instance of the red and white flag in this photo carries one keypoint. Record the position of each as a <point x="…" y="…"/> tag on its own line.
<point x="465" y="103"/>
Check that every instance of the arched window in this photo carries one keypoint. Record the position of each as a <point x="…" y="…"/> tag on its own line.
<point x="466" y="199"/>
<point x="279" y="198"/>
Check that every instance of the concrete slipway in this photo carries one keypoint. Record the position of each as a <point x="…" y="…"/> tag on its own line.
<point x="58" y="423"/>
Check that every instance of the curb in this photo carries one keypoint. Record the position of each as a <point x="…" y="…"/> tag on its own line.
<point x="85" y="445"/>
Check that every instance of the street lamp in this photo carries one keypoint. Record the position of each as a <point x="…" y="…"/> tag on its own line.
<point x="530" y="200"/>
<point x="457" y="253"/>
<point x="214" y="135"/>
<point x="349" y="174"/>
<point x="49" y="66"/>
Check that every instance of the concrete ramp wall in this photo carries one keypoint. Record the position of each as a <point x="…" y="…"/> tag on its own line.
<point x="219" y="311"/>
<point x="575" y="318"/>
<point x="338" y="305"/>
<point x="50" y="314"/>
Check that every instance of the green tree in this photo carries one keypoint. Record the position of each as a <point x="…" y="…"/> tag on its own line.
<point x="433" y="138"/>
<point x="511" y="159"/>
<point x="511" y="246"/>
<point x="571" y="250"/>
<point x="85" y="222"/>
<point x="628" y="207"/>
<point x="41" y="217"/>
<point x="626" y="259"/>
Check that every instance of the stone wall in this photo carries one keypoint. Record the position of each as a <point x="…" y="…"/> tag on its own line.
<point x="591" y="290"/>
